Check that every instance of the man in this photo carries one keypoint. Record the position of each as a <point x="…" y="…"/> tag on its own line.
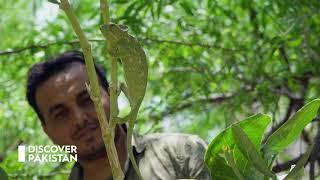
<point x="56" y="90"/>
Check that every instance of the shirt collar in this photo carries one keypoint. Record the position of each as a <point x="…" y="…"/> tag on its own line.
<point x="138" y="142"/>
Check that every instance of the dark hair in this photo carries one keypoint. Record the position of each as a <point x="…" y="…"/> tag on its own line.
<point x="42" y="71"/>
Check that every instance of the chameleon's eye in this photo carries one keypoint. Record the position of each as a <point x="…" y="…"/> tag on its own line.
<point x="123" y="27"/>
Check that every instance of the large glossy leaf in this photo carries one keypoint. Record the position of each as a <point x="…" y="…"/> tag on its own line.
<point x="248" y="149"/>
<point x="254" y="127"/>
<point x="228" y="154"/>
<point x="290" y="130"/>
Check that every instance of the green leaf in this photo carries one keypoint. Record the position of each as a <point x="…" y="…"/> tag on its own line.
<point x="230" y="160"/>
<point x="187" y="6"/>
<point x="248" y="149"/>
<point x="3" y="174"/>
<point x="254" y="127"/>
<point x="295" y="173"/>
<point x="291" y="129"/>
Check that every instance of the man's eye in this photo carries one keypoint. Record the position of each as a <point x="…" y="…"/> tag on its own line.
<point x="87" y="100"/>
<point x="59" y="114"/>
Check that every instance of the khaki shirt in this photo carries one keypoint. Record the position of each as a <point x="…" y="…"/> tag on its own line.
<point x="163" y="157"/>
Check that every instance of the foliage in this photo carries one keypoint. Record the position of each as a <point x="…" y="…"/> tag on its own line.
<point x="291" y="129"/>
<point x="243" y="142"/>
<point x="3" y="174"/>
<point x="210" y="64"/>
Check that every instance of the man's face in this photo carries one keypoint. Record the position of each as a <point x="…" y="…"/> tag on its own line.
<point x="69" y="114"/>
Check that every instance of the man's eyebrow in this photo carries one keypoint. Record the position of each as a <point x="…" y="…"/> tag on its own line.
<point x="55" y="108"/>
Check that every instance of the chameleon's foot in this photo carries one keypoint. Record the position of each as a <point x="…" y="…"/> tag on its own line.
<point x="118" y="91"/>
<point x="94" y="98"/>
<point x="119" y="120"/>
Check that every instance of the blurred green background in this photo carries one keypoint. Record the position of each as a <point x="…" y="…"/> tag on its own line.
<point x="211" y="63"/>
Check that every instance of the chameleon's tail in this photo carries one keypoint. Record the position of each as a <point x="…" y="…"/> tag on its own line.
<point x="132" y="118"/>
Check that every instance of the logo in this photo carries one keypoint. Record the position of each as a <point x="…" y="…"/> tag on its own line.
<point x="40" y="153"/>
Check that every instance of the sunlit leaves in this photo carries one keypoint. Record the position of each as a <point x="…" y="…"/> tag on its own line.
<point x="239" y="140"/>
<point x="248" y="149"/>
<point x="290" y="130"/>
<point x="254" y="127"/>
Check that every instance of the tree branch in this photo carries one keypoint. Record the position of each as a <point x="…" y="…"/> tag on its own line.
<point x="286" y="165"/>
<point x="186" y="105"/>
<point x="183" y="43"/>
<point x="42" y="46"/>
<point x="285" y="57"/>
<point x="73" y="42"/>
<point x="305" y="137"/>
<point x="286" y="92"/>
<point x="172" y="110"/>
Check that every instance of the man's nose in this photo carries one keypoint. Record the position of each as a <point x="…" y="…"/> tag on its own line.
<point x="80" y="117"/>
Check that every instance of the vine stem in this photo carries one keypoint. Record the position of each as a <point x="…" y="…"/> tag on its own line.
<point x="114" y="91"/>
<point x="104" y="6"/>
<point x="107" y="129"/>
<point x="114" y="110"/>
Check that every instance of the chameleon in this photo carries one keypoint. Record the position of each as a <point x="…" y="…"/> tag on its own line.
<point x="125" y="47"/>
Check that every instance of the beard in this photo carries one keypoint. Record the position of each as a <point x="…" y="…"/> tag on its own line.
<point x="92" y="148"/>
<point x="93" y="152"/>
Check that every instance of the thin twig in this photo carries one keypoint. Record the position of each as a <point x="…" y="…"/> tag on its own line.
<point x="183" y="106"/>
<point x="184" y="43"/>
<point x="76" y="41"/>
<point x="42" y="46"/>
